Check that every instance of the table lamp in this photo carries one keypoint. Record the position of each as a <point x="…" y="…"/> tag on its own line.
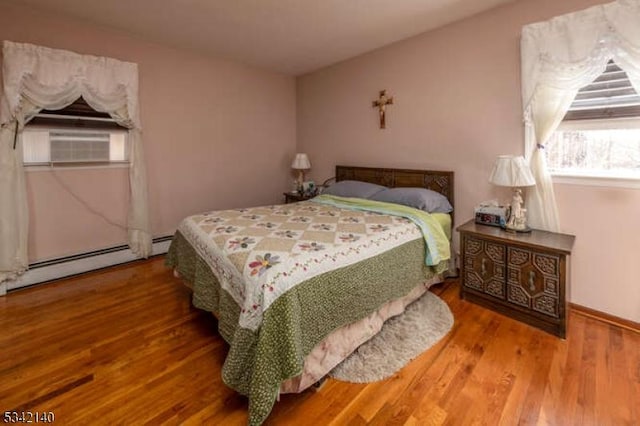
<point x="513" y="171"/>
<point x="301" y="163"/>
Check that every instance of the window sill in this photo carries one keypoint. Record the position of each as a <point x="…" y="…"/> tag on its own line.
<point x="48" y="168"/>
<point x="605" y="181"/>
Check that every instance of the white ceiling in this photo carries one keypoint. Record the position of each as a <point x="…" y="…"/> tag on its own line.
<point x="288" y="36"/>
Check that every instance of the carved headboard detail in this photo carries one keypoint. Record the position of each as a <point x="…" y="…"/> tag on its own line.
<point x="439" y="181"/>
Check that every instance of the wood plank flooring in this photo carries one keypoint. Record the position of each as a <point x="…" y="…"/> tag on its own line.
<point x="124" y="346"/>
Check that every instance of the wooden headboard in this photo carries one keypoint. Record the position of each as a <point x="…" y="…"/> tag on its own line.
<point x="438" y="181"/>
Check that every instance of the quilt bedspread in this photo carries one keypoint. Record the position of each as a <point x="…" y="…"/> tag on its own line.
<point x="280" y="274"/>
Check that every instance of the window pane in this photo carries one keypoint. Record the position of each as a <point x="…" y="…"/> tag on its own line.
<point x="118" y="149"/>
<point x="600" y="134"/>
<point x="35" y="146"/>
<point x="595" y="152"/>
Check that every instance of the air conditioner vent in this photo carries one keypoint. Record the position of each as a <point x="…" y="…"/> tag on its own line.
<point x="75" y="147"/>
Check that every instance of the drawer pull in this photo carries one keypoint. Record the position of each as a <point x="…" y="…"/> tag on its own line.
<point x="483" y="267"/>
<point x="532" y="280"/>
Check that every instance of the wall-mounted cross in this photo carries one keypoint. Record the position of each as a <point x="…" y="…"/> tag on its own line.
<point x="381" y="103"/>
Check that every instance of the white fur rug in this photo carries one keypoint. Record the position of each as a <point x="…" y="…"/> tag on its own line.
<point x="401" y="340"/>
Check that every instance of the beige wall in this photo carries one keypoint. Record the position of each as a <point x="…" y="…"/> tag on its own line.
<point x="457" y="106"/>
<point x="217" y="134"/>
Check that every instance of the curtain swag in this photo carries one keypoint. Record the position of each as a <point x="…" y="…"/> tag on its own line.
<point x="559" y="57"/>
<point x="36" y="78"/>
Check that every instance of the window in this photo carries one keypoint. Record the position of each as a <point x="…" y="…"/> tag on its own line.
<point x="600" y="134"/>
<point x="75" y="135"/>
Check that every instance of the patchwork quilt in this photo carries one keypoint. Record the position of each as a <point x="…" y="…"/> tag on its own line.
<point x="280" y="278"/>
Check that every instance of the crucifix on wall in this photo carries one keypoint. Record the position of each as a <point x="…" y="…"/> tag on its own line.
<point x="381" y="103"/>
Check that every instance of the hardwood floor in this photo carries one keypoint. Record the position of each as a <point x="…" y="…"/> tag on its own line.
<point x="124" y="346"/>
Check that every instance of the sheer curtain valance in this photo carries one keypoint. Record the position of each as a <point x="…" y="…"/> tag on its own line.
<point x="559" y="57"/>
<point x="36" y="78"/>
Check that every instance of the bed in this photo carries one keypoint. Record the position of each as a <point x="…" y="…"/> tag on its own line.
<point x="297" y="287"/>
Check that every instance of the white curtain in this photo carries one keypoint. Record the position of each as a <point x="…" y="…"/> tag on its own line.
<point x="559" y="57"/>
<point x="36" y="78"/>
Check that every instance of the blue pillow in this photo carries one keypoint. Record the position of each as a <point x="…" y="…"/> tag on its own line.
<point x="418" y="198"/>
<point x="353" y="188"/>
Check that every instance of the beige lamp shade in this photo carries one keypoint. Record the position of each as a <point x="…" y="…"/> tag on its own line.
<point x="301" y="162"/>
<point x="511" y="170"/>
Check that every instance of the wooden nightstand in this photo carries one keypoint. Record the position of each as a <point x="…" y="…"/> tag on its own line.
<point x="521" y="275"/>
<point x="294" y="197"/>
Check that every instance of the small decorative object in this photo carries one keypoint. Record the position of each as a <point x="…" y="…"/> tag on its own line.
<point x="381" y="103"/>
<point x="513" y="171"/>
<point x="301" y="163"/>
<point x="309" y="188"/>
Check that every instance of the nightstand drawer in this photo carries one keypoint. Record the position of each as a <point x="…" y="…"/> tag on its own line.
<point x="533" y="280"/>
<point x="485" y="266"/>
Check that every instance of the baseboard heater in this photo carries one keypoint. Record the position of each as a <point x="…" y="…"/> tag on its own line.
<point x="53" y="269"/>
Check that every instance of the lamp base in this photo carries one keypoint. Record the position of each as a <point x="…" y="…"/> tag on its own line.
<point x="517" y="215"/>
<point x="300" y="180"/>
<point x="524" y="230"/>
